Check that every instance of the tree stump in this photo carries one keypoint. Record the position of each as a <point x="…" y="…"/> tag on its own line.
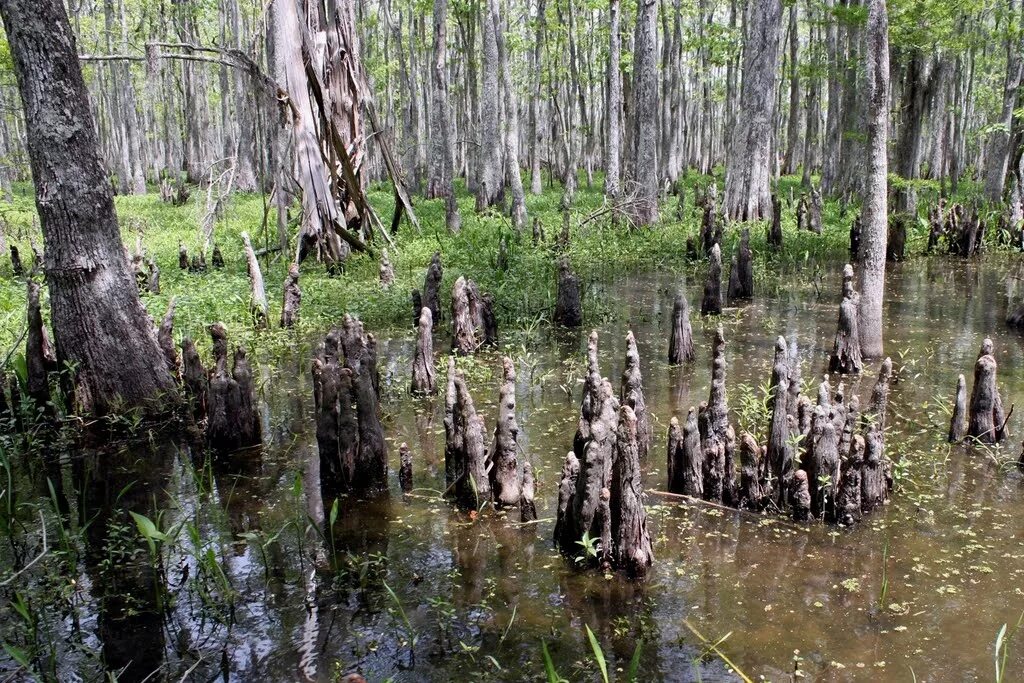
<point x="958" y="421"/>
<point x="845" y="358"/>
<point x="371" y="463"/>
<point x="488" y="321"/>
<point x="568" y="308"/>
<point x="565" y="532"/>
<point x="855" y="231"/>
<point x="337" y="431"/>
<point x="405" y="468"/>
<point x="775" y="227"/>
<point x="16" y="266"/>
<point x="527" y="507"/>
<point x="182" y="256"/>
<point x="292" y="298"/>
<point x="386" y="271"/>
<point x="472" y="483"/>
<point x="218" y="258"/>
<point x="814" y="208"/>
<point x="463" y="325"/>
<point x="800" y="497"/>
<point x="878" y="409"/>
<point x="680" y="343"/>
<point x="506" y="481"/>
<point x="707" y="230"/>
<point x="826" y="453"/>
<point x="153" y="277"/>
<point x="741" y="276"/>
<point x="848" y="504"/>
<point x="689" y="459"/>
<point x="874" y="490"/>
<point x="751" y="494"/>
<point x="849" y="426"/>
<point x="632" y="540"/>
<point x="453" y="436"/>
<point x="232" y="419"/>
<point x="417" y="306"/>
<point x="424" y="379"/>
<point x="258" y="294"/>
<point x="793" y="402"/>
<point x="198" y="264"/>
<point x="432" y="288"/>
<point x="778" y="454"/>
<point x="712" y="302"/>
<point x="165" y="339"/>
<point x="985" y="415"/>
<point x="194" y="378"/>
<point x="896" y="244"/>
<point x="718" y="407"/>
<point x="631" y="394"/>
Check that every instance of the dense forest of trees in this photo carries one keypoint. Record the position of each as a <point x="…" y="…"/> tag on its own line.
<point x="644" y="91"/>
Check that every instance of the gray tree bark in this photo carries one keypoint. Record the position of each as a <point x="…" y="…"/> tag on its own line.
<point x="999" y="145"/>
<point x="99" y="323"/>
<point x="645" y="137"/>
<point x="614" y="142"/>
<point x="749" y="164"/>
<point x="874" y="216"/>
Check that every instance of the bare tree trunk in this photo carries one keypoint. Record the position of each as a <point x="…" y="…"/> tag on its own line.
<point x="443" y="145"/>
<point x="833" y="125"/>
<point x="99" y="323"/>
<point x="491" y="189"/>
<point x="749" y="166"/>
<point x="513" y="174"/>
<point x="874" y="212"/>
<point x="793" y="129"/>
<point x="999" y="145"/>
<point x="645" y="137"/>
<point x="614" y="142"/>
<point x="536" y="126"/>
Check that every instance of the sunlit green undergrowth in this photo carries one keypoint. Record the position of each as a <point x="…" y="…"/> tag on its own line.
<point x="522" y="281"/>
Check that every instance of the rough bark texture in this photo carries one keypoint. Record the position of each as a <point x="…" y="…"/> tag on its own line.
<point x="778" y="455"/>
<point x="849" y="502"/>
<point x="292" y="297"/>
<point x="986" y="418"/>
<point x="36" y="365"/>
<point x="645" y="129"/>
<point x="631" y="394"/>
<point x="568" y="309"/>
<point x="775" y="227"/>
<point x="165" y="338"/>
<point x="879" y="406"/>
<point x="874" y="490"/>
<point x="257" y="292"/>
<point x="453" y="436"/>
<point x="633" y="552"/>
<point x="751" y="493"/>
<point x="490" y="189"/>
<point x="749" y="164"/>
<point x="845" y="358"/>
<point x="958" y="420"/>
<point x="232" y="419"/>
<point x="99" y="323"/>
<point x="371" y="463"/>
<point x="194" y="378"/>
<point x="527" y="507"/>
<point x="680" y="344"/>
<point x="465" y="446"/>
<point x="611" y="164"/>
<point x="463" y="324"/>
<point x="741" y="277"/>
<point x="874" y="213"/>
<point x="504" y="462"/>
<point x="432" y="288"/>
<point x="424" y="378"/>
<point x="690" y="459"/>
<point x="711" y="304"/>
<point x="405" y="468"/>
<point x="800" y="497"/>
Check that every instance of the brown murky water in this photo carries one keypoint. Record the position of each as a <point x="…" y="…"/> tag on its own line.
<point x="474" y="599"/>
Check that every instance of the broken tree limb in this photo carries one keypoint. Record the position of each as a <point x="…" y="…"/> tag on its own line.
<point x="258" y="295"/>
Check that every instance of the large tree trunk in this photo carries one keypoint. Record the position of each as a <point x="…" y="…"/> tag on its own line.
<point x="999" y="145"/>
<point x="99" y="323"/>
<point x="490" y="190"/>
<point x="536" y="125"/>
<point x="833" y="125"/>
<point x="792" y="159"/>
<point x="442" y="153"/>
<point x="513" y="175"/>
<point x="874" y="211"/>
<point x="645" y="136"/>
<point x="749" y="164"/>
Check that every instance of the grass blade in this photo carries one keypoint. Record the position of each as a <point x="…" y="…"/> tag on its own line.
<point x="598" y="654"/>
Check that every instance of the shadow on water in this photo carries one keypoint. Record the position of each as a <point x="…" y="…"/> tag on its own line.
<point x="254" y="581"/>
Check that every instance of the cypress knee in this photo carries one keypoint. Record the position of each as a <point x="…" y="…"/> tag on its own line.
<point x="527" y="508"/>
<point x="680" y="345"/>
<point x="846" y="358"/>
<point x="504" y="463"/>
<point x="463" y="325"/>
<point x="568" y="309"/>
<point x="712" y="302"/>
<point x="958" y="421"/>
<point x="292" y="297"/>
<point x="432" y="287"/>
<point x="631" y="394"/>
<point x="424" y="379"/>
<point x="633" y="552"/>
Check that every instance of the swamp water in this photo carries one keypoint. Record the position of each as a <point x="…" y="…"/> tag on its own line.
<point x="418" y="591"/>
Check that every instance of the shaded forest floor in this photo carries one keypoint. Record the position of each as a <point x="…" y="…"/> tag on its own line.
<point x="523" y="284"/>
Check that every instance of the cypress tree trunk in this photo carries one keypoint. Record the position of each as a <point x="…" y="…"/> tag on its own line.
<point x="999" y="146"/>
<point x="98" y="320"/>
<point x="611" y="164"/>
<point x="874" y="211"/>
<point x="749" y="165"/>
<point x="490" y="188"/>
<point x="793" y="127"/>
<point x="645" y="139"/>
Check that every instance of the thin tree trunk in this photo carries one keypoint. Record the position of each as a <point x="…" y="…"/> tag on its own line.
<point x="793" y="129"/>
<point x="999" y="145"/>
<point x="645" y="139"/>
<point x="613" y="145"/>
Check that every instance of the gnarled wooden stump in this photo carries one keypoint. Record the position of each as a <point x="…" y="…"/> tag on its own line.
<point x="472" y="483"/>
<point x="689" y="459"/>
<point x="878" y="409"/>
<point x="182" y="256"/>
<point x="565" y="531"/>
<point x="337" y="430"/>
<point x="778" y="454"/>
<point x="985" y="415"/>
<point x="424" y="378"/>
<point x="775" y="227"/>
<point x="568" y="308"/>
<point x="846" y="358"/>
<point x="633" y="551"/>
<point x="814" y="211"/>
<point x="631" y="394"/>
<point x="405" y="467"/>
<point x="218" y="257"/>
<point x="505" y="478"/>
<point x="463" y="325"/>
<point x="292" y="297"/>
<point x="680" y="344"/>
<point x="527" y="508"/>
<point x="958" y="420"/>
<point x="165" y="339"/>
<point x="487" y="320"/>
<point x="711" y="304"/>
<point x="800" y="497"/>
<point x="741" y="278"/>
<point x="751" y="494"/>
<point x="371" y="462"/>
<point x="874" y="490"/>
<point x="848" y="504"/>
<point x="432" y="288"/>
<point x="896" y="244"/>
<point x="232" y="418"/>
<point x="194" y="378"/>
